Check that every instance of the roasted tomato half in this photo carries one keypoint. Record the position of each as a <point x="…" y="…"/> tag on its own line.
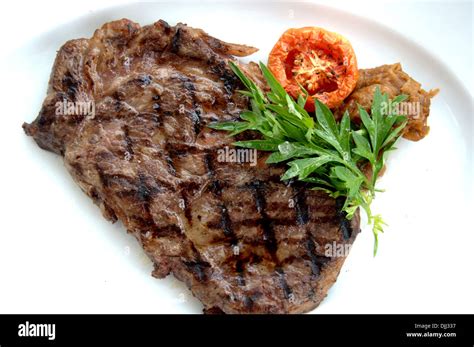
<point x="320" y="61"/>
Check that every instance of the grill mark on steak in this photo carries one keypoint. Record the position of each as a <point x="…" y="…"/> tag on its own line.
<point x="286" y="289"/>
<point x="300" y="205"/>
<point x="185" y="200"/>
<point x="195" y="113"/>
<point x="198" y="268"/>
<point x="144" y="80"/>
<point x="239" y="268"/>
<point x="71" y="85"/>
<point x="169" y="162"/>
<point x="179" y="149"/>
<point x="344" y="223"/>
<point x="144" y="191"/>
<point x="145" y="194"/>
<point x="128" y="141"/>
<point x="225" y="223"/>
<point x="166" y="231"/>
<point x="302" y="218"/>
<point x="271" y="244"/>
<point x="257" y="189"/>
<point x="311" y="249"/>
<point x="168" y="155"/>
<point x="197" y="265"/>
<point x="175" y="41"/>
<point x="226" y="76"/>
<point x="248" y="303"/>
<point x="108" y="180"/>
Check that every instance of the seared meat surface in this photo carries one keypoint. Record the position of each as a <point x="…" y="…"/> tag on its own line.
<point x="242" y="240"/>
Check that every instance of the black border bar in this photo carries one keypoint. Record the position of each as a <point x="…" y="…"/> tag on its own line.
<point x="138" y="330"/>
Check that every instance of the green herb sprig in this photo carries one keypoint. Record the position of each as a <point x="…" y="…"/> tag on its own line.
<point x="328" y="154"/>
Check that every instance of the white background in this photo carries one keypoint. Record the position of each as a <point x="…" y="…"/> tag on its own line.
<point x="83" y="271"/>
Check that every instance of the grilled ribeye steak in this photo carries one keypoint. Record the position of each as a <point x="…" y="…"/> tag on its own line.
<point x="242" y="240"/>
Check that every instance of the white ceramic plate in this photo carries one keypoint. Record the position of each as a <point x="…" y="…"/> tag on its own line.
<point x="58" y="255"/>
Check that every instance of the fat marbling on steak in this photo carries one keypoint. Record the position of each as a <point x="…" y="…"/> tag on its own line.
<point x="241" y="240"/>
